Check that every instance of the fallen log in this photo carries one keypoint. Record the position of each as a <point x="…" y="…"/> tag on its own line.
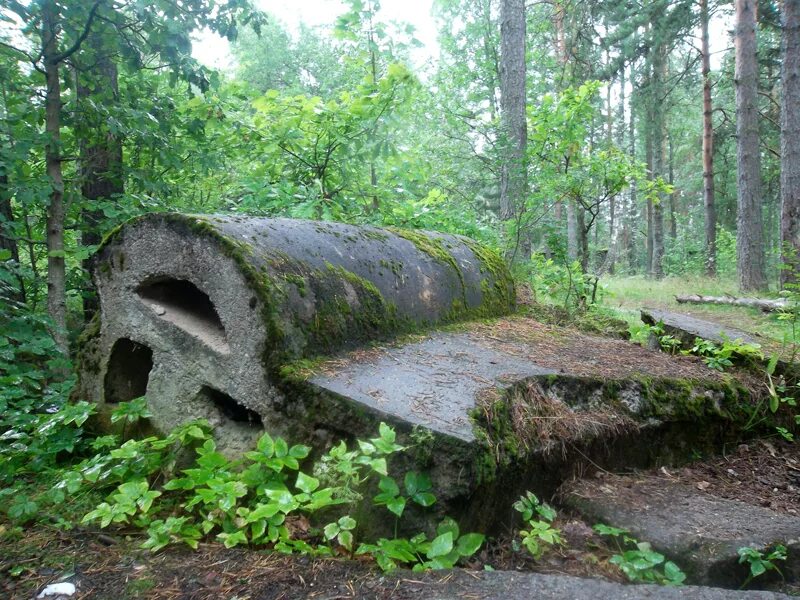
<point x="764" y="304"/>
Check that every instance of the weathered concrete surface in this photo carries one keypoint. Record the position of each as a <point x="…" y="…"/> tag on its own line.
<point x="514" y="405"/>
<point x="505" y="585"/>
<point x="700" y="532"/>
<point x="687" y="328"/>
<point x="202" y="312"/>
<point x="434" y="383"/>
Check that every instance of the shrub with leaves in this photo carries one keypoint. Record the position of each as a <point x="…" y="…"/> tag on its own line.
<point x="761" y="562"/>
<point x="639" y="561"/>
<point x="540" y="534"/>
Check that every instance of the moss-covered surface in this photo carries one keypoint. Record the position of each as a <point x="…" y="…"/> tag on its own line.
<point x="345" y="309"/>
<point x="547" y="414"/>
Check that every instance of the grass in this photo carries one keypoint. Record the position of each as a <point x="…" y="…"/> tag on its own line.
<point x="625" y="296"/>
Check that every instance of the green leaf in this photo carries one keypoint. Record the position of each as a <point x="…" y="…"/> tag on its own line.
<point x="469" y="544"/>
<point x="331" y="530"/>
<point x="266" y="446"/>
<point x="441" y="545"/>
<point x="306" y="483"/>
<point x="346" y="539"/>
<point x="396" y="505"/>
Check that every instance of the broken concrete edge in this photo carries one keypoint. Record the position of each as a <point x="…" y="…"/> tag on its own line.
<point x="501" y="585"/>
<point x="507" y="456"/>
<point x="336" y="321"/>
<point x="698" y="531"/>
<point x="786" y="366"/>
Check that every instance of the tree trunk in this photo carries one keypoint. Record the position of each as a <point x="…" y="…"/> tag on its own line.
<point x="750" y="234"/>
<point x="673" y="197"/>
<point x="572" y="230"/>
<point x="659" y="138"/>
<point x="56" y="270"/>
<point x="583" y="237"/>
<point x="634" y="209"/>
<point x="8" y="241"/>
<point x="100" y="157"/>
<point x="514" y="175"/>
<point x="612" y="202"/>
<point x="790" y="144"/>
<point x="708" y="148"/>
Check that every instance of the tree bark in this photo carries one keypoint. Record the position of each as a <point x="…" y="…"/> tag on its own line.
<point x="634" y="209"/>
<point x="708" y="148"/>
<point x="100" y="157"/>
<point x="514" y="176"/>
<point x="765" y="304"/>
<point x="750" y="234"/>
<point x="56" y="269"/>
<point x="659" y="159"/>
<point x="612" y="201"/>
<point x="790" y="144"/>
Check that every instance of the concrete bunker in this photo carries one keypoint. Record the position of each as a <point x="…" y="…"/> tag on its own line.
<point x="267" y="324"/>
<point x="128" y="371"/>
<point x="226" y="307"/>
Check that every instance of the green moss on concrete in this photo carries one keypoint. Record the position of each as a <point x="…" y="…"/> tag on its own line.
<point x="499" y="294"/>
<point x="434" y="247"/>
<point x="636" y="402"/>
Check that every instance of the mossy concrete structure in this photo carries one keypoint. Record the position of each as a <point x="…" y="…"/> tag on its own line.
<point x="202" y="313"/>
<point x="320" y="331"/>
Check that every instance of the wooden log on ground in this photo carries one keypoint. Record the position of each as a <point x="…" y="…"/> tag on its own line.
<point x="764" y="304"/>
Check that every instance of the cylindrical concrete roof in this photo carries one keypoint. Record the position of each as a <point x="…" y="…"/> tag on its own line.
<point x="214" y="306"/>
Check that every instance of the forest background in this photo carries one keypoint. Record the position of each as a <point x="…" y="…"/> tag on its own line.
<point x="578" y="138"/>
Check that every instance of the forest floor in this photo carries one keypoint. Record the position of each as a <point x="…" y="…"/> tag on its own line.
<point x="109" y="564"/>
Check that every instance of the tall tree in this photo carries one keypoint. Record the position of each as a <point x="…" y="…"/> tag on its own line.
<point x="790" y="143"/>
<point x="514" y="176"/>
<point x="708" y="147"/>
<point x="100" y="149"/>
<point x="750" y="234"/>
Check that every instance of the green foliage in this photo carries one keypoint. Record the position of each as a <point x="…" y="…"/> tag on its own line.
<point x="249" y="501"/>
<point x="760" y="562"/>
<point x="541" y="534"/>
<point x="638" y="561"/>
<point x="441" y="552"/>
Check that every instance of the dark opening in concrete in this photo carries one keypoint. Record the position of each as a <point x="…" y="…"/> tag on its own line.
<point x="230" y="408"/>
<point x="182" y="303"/>
<point x="128" y="371"/>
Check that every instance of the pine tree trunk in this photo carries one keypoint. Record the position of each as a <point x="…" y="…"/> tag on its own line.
<point x="612" y="202"/>
<point x="100" y="157"/>
<point x="708" y="148"/>
<point x="750" y="234"/>
<point x="790" y="144"/>
<point x="659" y="137"/>
<point x="513" y="176"/>
<point x="56" y="269"/>
<point x="634" y="208"/>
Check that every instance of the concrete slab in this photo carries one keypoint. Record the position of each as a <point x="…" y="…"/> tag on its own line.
<point x="700" y="532"/>
<point x="434" y="383"/>
<point x="504" y="585"/>
<point x="686" y="328"/>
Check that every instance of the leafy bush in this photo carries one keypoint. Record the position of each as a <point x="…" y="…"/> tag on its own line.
<point x="638" y="561"/>
<point x="540" y="534"/>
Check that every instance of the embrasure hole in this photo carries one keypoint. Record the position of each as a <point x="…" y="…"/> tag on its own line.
<point x="183" y="304"/>
<point x="128" y="371"/>
<point x="230" y="409"/>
